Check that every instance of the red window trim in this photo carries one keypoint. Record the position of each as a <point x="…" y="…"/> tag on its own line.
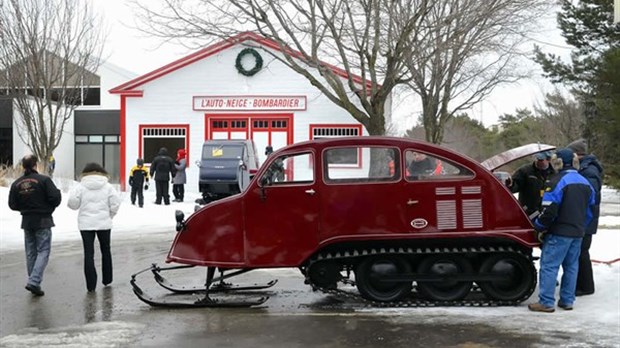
<point x="141" y="128"/>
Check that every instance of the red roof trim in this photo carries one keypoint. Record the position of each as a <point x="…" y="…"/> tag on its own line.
<point x="127" y="88"/>
<point x="131" y="93"/>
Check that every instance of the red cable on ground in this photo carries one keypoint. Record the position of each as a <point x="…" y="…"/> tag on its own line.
<point x="606" y="262"/>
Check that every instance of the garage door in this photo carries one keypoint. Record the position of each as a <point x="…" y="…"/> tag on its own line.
<point x="274" y="130"/>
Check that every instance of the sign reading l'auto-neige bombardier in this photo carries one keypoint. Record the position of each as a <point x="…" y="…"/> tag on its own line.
<point x="255" y="103"/>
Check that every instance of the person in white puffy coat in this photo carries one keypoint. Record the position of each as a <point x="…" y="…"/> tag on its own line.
<point x="97" y="202"/>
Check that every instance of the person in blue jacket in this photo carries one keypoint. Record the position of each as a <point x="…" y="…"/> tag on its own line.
<point x="591" y="169"/>
<point x="567" y="210"/>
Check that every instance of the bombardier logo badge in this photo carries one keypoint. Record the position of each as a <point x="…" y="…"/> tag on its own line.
<point x="419" y="223"/>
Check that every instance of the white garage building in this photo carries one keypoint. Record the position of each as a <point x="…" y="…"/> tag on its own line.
<point x="205" y="96"/>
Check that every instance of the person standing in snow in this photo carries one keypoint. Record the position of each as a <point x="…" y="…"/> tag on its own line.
<point x="162" y="169"/>
<point x="567" y="209"/>
<point x="591" y="169"/>
<point x="179" y="179"/>
<point x="36" y="197"/>
<point x="530" y="181"/>
<point x="138" y="180"/>
<point x="51" y="166"/>
<point x="97" y="202"/>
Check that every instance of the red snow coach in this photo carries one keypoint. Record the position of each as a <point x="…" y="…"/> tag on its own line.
<point x="408" y="223"/>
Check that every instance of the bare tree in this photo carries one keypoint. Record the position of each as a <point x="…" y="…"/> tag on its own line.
<point x="563" y="116"/>
<point x="49" y="51"/>
<point x="369" y="38"/>
<point x="472" y="47"/>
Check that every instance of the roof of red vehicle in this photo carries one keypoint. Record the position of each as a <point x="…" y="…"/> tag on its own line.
<point x="378" y="140"/>
<point x="491" y="164"/>
<point x="129" y="87"/>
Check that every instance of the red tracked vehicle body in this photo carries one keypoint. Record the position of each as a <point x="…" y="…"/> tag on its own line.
<point x="392" y="212"/>
<point x="325" y="201"/>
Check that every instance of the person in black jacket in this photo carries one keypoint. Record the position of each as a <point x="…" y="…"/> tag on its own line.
<point x="420" y="165"/>
<point x="592" y="170"/>
<point x="36" y="197"/>
<point x="530" y="180"/>
<point x="567" y="210"/>
<point x="162" y="170"/>
<point x="138" y="179"/>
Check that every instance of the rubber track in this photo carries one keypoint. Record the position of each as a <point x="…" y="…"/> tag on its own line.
<point x="352" y="254"/>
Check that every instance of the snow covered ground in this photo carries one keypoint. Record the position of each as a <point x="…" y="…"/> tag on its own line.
<point x="596" y="318"/>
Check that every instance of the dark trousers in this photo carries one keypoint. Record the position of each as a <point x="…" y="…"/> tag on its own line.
<point x="161" y="191"/>
<point x="178" y="190"/>
<point x="585" y="279"/>
<point x="137" y="191"/>
<point x="90" y="272"/>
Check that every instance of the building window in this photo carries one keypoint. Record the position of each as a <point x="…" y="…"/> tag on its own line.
<point x="260" y="124"/>
<point x="220" y="124"/>
<point x="172" y="137"/>
<point x="92" y="96"/>
<point x="238" y="124"/>
<point x="279" y="124"/>
<point x="102" y="149"/>
<point x="344" y="157"/>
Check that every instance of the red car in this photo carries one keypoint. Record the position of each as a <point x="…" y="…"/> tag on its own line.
<point x="403" y="220"/>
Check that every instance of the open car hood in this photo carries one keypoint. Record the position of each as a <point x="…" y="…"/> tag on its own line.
<point x="515" y="154"/>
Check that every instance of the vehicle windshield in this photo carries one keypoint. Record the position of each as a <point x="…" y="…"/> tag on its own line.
<point x="222" y="152"/>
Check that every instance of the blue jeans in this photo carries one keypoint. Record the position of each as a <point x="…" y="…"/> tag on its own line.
<point x="38" y="244"/>
<point x="556" y="251"/>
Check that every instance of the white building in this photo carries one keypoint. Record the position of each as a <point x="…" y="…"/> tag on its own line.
<point x="91" y="135"/>
<point x="205" y="96"/>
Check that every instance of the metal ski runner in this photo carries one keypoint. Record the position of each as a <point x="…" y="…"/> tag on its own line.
<point x="204" y="300"/>
<point x="198" y="303"/>
<point x="217" y="287"/>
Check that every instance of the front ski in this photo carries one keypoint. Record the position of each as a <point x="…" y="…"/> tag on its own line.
<point x="204" y="302"/>
<point x="215" y="288"/>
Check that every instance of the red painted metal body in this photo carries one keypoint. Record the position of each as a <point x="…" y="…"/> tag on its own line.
<point x="282" y="226"/>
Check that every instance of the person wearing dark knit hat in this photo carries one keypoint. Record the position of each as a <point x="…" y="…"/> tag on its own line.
<point x="567" y="209"/>
<point x="162" y="170"/>
<point x="579" y="146"/>
<point x="591" y="169"/>
<point x="138" y="180"/>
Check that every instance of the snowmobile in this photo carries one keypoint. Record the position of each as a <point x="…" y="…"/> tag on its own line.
<point x="357" y="218"/>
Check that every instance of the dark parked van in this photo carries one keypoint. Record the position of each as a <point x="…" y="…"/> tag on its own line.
<point x="226" y="167"/>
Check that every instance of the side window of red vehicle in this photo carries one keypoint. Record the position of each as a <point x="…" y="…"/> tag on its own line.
<point x="374" y="164"/>
<point x="424" y="166"/>
<point x="290" y="169"/>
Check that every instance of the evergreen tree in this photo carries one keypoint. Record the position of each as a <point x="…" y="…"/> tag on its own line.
<point x="592" y="72"/>
<point x="588" y="26"/>
<point x="607" y="126"/>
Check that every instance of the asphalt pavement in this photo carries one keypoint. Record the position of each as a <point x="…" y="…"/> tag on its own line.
<point x="294" y="316"/>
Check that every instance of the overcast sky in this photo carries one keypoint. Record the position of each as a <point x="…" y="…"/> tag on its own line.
<point x="130" y="49"/>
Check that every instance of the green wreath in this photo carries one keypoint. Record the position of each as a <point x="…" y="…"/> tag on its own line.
<point x="258" y="59"/>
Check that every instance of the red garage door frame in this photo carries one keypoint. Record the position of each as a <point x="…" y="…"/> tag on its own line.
<point x="250" y="118"/>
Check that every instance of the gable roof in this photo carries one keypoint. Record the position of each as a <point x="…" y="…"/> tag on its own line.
<point x="129" y="87"/>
